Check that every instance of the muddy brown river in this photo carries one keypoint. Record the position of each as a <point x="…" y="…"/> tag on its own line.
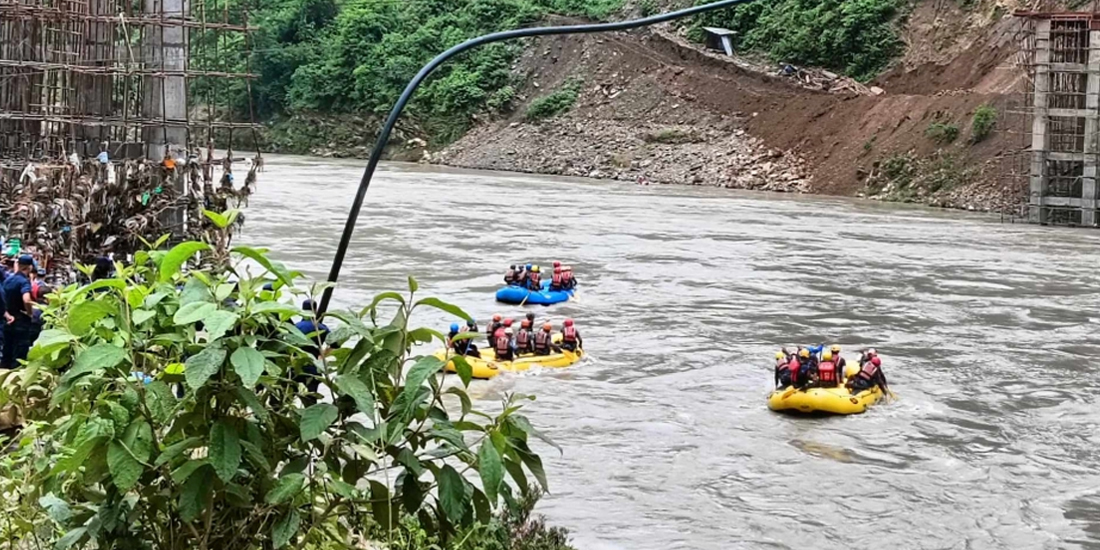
<point x="989" y="334"/>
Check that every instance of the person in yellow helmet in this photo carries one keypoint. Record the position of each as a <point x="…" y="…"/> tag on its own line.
<point x="534" y="279"/>
<point x="838" y="359"/>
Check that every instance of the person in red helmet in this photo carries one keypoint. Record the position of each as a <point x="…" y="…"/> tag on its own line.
<point x="524" y="338"/>
<point x="491" y="330"/>
<point x="543" y="340"/>
<point x="869" y="376"/>
<point x="570" y="336"/>
<point x="503" y="346"/>
<point x="556" y="279"/>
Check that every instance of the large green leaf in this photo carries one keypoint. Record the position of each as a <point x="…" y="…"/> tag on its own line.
<point x="193" y="312"/>
<point x="174" y="451"/>
<point x="521" y="422"/>
<point x="285" y="489"/>
<point x="174" y="259"/>
<point x="125" y="469"/>
<point x="70" y="538"/>
<point x="85" y="314"/>
<point x="259" y="257"/>
<point x="192" y="499"/>
<point x="160" y="400"/>
<point x="275" y="307"/>
<point x="141" y="315"/>
<point x="99" y="356"/>
<point x="139" y="439"/>
<point x="285" y="529"/>
<point x="424" y="368"/>
<point x="49" y="341"/>
<point x="452" y="493"/>
<point x="218" y="323"/>
<point x="249" y="399"/>
<point x="203" y="365"/>
<point x="444" y="306"/>
<point x="491" y="470"/>
<point x="225" y="450"/>
<point x="248" y="364"/>
<point x="57" y="509"/>
<point x="357" y="390"/>
<point x="316" y="419"/>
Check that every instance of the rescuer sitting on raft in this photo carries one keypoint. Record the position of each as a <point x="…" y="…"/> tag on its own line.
<point x="870" y="374"/>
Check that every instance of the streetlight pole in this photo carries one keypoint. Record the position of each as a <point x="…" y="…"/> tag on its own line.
<point x="387" y="128"/>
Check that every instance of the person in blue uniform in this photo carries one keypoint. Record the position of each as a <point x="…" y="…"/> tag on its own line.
<point x="317" y="332"/>
<point x="19" y="314"/>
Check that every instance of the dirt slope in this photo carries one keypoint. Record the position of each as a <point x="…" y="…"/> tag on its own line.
<point x="653" y="105"/>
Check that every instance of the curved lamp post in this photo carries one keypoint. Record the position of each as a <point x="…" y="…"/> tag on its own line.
<point x="383" y="138"/>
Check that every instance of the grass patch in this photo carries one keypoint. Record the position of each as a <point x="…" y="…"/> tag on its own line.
<point x="942" y="133"/>
<point x="556" y="103"/>
<point x="985" y="118"/>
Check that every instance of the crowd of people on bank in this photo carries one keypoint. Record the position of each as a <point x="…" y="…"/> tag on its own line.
<point x="509" y="343"/>
<point x="815" y="366"/>
<point x="530" y="276"/>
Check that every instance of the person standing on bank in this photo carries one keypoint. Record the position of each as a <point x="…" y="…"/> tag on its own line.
<point x="18" y="314"/>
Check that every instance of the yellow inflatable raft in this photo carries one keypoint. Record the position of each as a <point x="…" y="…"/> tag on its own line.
<point x="837" y="400"/>
<point x="487" y="366"/>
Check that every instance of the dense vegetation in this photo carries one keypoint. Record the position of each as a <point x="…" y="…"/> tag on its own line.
<point x="351" y="56"/>
<point x="857" y="37"/>
<point x="176" y="409"/>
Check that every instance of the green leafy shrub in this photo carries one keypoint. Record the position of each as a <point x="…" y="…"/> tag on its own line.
<point x="225" y="446"/>
<point x="985" y="117"/>
<point x="555" y="103"/>
<point x="857" y="37"/>
<point x="942" y="133"/>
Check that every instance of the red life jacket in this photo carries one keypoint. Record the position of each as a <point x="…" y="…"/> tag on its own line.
<point x="868" y="372"/>
<point x="522" y="339"/>
<point x="556" y="279"/>
<point x="542" y="340"/>
<point x="794" y="367"/>
<point x="503" y="345"/>
<point x="569" y="334"/>
<point x="826" y="371"/>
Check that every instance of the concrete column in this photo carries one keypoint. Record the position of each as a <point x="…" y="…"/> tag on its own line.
<point x="1092" y="133"/>
<point x="1039" y="122"/>
<point x="166" y="49"/>
<point x="166" y="97"/>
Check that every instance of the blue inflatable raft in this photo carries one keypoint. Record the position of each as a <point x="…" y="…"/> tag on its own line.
<point x="513" y="294"/>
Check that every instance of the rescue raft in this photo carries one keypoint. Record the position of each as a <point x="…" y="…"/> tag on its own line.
<point x="838" y="400"/>
<point x="487" y="366"/>
<point x="515" y="294"/>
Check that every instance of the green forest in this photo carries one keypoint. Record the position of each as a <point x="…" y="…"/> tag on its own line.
<point x="354" y="57"/>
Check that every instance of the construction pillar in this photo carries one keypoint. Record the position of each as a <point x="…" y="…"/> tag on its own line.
<point x="1036" y="212"/>
<point x="165" y="101"/>
<point x="1092" y="133"/>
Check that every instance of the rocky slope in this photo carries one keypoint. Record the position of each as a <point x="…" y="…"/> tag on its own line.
<point x="654" y="106"/>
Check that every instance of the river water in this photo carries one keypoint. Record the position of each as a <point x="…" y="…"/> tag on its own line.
<point x="988" y="333"/>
